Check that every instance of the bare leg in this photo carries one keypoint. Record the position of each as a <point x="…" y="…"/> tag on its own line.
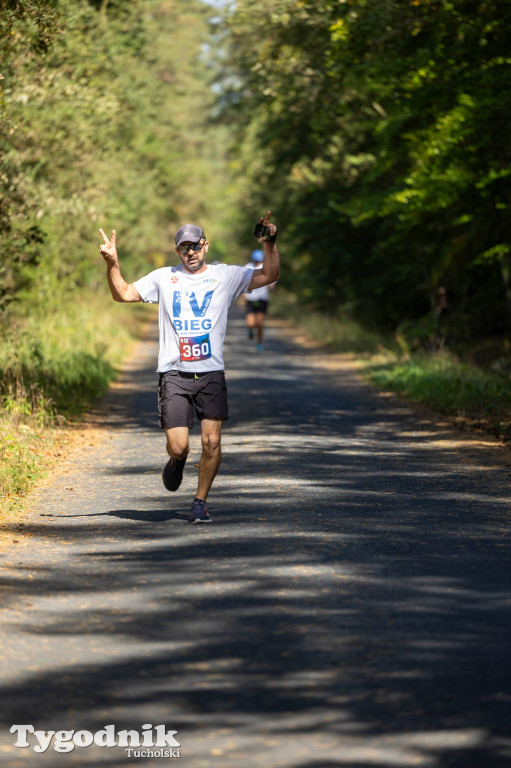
<point x="211" y="457"/>
<point x="259" y="321"/>
<point x="250" y="320"/>
<point x="178" y="443"/>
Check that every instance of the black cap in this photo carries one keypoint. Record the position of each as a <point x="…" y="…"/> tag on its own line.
<point x="189" y="233"/>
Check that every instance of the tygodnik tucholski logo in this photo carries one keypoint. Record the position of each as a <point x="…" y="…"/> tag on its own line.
<point x="151" y="741"/>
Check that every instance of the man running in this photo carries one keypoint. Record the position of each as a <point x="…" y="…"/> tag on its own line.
<point x="256" y="302"/>
<point x="194" y="299"/>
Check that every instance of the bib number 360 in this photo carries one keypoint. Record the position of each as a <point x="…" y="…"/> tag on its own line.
<point x="193" y="348"/>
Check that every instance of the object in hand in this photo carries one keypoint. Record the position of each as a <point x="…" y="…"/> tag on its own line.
<point x="261" y="230"/>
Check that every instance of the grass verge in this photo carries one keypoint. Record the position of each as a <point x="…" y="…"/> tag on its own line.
<point x="52" y="369"/>
<point x="471" y="395"/>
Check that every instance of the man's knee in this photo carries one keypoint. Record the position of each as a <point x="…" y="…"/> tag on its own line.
<point x="211" y="439"/>
<point x="211" y="442"/>
<point x="177" y="453"/>
<point x="177" y="444"/>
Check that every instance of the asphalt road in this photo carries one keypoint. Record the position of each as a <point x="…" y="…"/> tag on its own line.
<point x="349" y="605"/>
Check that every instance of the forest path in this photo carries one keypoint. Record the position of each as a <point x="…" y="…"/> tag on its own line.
<point x="349" y="605"/>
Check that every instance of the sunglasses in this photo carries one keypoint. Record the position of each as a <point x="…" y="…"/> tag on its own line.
<point x="195" y="247"/>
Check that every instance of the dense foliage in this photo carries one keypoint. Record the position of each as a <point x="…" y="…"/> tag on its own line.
<point x="376" y="131"/>
<point x="379" y="130"/>
<point x="103" y="112"/>
<point x="94" y="130"/>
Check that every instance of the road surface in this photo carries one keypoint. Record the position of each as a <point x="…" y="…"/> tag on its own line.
<point x="349" y="605"/>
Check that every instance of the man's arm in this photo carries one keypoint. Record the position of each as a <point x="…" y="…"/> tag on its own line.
<point x="119" y="288"/>
<point x="271" y="265"/>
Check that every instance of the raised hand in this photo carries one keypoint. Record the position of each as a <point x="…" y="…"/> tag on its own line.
<point x="108" y="249"/>
<point x="265" y="221"/>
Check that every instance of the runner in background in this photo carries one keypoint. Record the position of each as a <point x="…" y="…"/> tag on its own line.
<point x="257" y="303"/>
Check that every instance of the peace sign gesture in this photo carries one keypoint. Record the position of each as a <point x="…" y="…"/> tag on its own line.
<point x="108" y="250"/>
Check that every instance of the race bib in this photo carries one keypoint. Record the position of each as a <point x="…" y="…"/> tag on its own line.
<point x="194" y="348"/>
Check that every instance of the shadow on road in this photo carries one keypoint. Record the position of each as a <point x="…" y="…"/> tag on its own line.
<point x="350" y="605"/>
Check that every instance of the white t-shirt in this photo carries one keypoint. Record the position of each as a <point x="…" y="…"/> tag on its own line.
<point x="257" y="294"/>
<point x="193" y="313"/>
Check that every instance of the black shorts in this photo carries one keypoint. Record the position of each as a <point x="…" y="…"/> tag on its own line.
<point x="179" y="394"/>
<point x="256" y="306"/>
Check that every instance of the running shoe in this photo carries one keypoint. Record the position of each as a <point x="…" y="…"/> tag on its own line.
<point x="199" y="513"/>
<point x="173" y="473"/>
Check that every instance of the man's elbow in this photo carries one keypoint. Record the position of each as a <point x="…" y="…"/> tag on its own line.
<point x="129" y="295"/>
<point x="116" y="296"/>
<point x="267" y="278"/>
<point x="123" y="298"/>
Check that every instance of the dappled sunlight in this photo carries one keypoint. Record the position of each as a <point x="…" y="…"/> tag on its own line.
<point x="292" y="660"/>
<point x="348" y="606"/>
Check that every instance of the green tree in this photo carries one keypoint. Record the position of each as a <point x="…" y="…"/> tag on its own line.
<point x="380" y="130"/>
<point x="105" y="112"/>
